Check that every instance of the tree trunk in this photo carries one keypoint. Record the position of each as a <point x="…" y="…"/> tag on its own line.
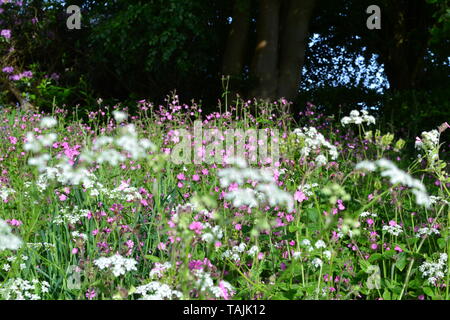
<point x="234" y="56"/>
<point x="265" y="60"/>
<point x="293" y="46"/>
<point x="406" y="44"/>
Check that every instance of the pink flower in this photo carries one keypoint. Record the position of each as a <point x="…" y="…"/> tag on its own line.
<point x="392" y="223"/>
<point x="300" y="196"/>
<point x="181" y="176"/>
<point x="14" y="222"/>
<point x="369" y="221"/>
<point x="62" y="197"/>
<point x="398" y="249"/>
<point x="238" y="226"/>
<point x="74" y="250"/>
<point x="196" y="226"/>
<point x="195" y="177"/>
<point x="6" y="33"/>
<point x="91" y="294"/>
<point x="12" y="139"/>
<point x="374" y="246"/>
<point x="340" y="205"/>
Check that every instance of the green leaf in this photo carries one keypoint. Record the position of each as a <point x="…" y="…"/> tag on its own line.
<point x="401" y="262"/>
<point x="313" y="214"/>
<point x="441" y="243"/>
<point x="152" y="258"/>
<point x="428" y="291"/>
<point x="375" y="257"/>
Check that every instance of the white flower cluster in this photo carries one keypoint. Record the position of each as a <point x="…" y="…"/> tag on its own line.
<point x="429" y="140"/>
<point x="366" y="214"/>
<point x="317" y="263"/>
<point x="159" y="269"/>
<point x="429" y="143"/>
<point x="19" y="289"/>
<point x="307" y="188"/>
<point x="314" y="143"/>
<point x="39" y="245"/>
<point x="266" y="190"/>
<point x="103" y="151"/>
<point x="70" y="215"/>
<point x="118" y="264"/>
<point x="394" y="230"/>
<point x="396" y="175"/>
<point x="319" y="245"/>
<point x="235" y="252"/>
<point x="48" y="122"/>
<point x="427" y="232"/>
<point x="127" y="141"/>
<point x="8" y="241"/>
<point x="434" y="270"/>
<point x="79" y="235"/>
<point x="358" y="117"/>
<point x="437" y="199"/>
<point x="205" y="283"/>
<point x="5" y="193"/>
<point x="157" y="291"/>
<point x="10" y="259"/>
<point x="214" y="234"/>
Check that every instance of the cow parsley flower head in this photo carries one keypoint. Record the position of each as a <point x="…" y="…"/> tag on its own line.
<point x="8" y="241"/>
<point x="117" y="264"/>
<point x="263" y="190"/>
<point x="48" y="122"/>
<point x="397" y="176"/>
<point x="434" y="271"/>
<point x="317" y="263"/>
<point x="157" y="291"/>
<point x="119" y="116"/>
<point x="315" y="145"/>
<point x="358" y="117"/>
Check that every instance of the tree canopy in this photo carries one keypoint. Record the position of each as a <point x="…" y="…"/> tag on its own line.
<point x="303" y="50"/>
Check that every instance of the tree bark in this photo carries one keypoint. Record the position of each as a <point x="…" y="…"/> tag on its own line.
<point x="406" y="44"/>
<point x="264" y="67"/>
<point x="293" y="46"/>
<point x="235" y="52"/>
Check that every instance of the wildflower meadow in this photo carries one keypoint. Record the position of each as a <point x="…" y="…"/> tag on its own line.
<point x="98" y="209"/>
<point x="301" y="153"/>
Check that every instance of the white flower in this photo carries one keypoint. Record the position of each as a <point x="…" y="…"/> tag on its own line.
<point x="314" y="143"/>
<point x="296" y="255"/>
<point x="159" y="269"/>
<point x="118" y="264"/>
<point x="357" y="118"/>
<point x="5" y="193"/>
<point x="394" y="230"/>
<point x="158" y="291"/>
<point x="119" y="116"/>
<point x="320" y="244"/>
<point x="253" y="250"/>
<point x="266" y="191"/>
<point x="397" y="176"/>
<point x="8" y="241"/>
<point x="317" y="263"/>
<point x="434" y="270"/>
<point x="48" y="122"/>
<point x="427" y="232"/>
